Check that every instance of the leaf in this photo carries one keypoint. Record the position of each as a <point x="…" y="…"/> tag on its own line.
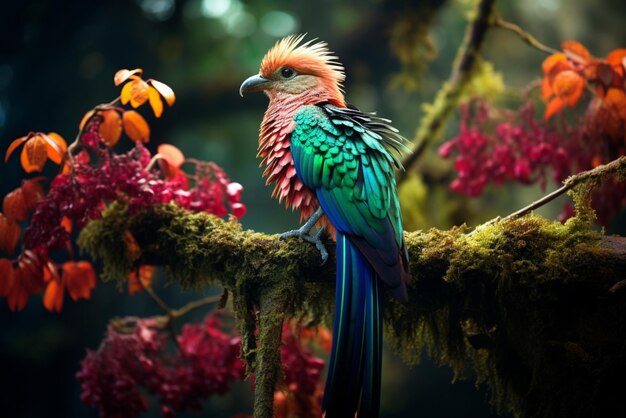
<point x="135" y="92"/>
<point x="66" y="223"/>
<point x="577" y="49"/>
<point x="553" y="62"/>
<point x="16" y="143"/>
<point x="616" y="100"/>
<point x="164" y="90"/>
<point x="9" y="234"/>
<point x="53" y="297"/>
<point x="18" y="296"/>
<point x="125" y="94"/>
<point x="30" y="272"/>
<point x="155" y="102"/>
<point x="546" y="89"/>
<point x="7" y="276"/>
<point x="171" y="154"/>
<point x="553" y="107"/>
<point x="14" y="206"/>
<point x="110" y="127"/>
<point x="124" y="74"/>
<point x="145" y="275"/>
<point x="136" y="126"/>
<point x="34" y="154"/>
<point x="56" y="146"/>
<point x="80" y="279"/>
<point x="85" y="118"/>
<point x="33" y="192"/>
<point x="569" y="87"/>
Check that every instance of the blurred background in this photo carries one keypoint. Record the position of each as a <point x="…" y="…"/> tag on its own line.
<point x="57" y="61"/>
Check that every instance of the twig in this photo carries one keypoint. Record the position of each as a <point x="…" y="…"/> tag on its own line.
<point x="447" y="97"/>
<point x="526" y="37"/>
<point x="195" y="305"/>
<point x="568" y="184"/>
<point x="81" y="131"/>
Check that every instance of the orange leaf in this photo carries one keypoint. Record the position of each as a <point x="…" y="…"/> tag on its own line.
<point x="125" y="94"/>
<point x="80" y="278"/>
<point x="30" y="272"/>
<point x="111" y="127"/>
<point x="550" y="63"/>
<point x="85" y="118"/>
<point x="33" y="192"/>
<point x="135" y="92"/>
<point x="14" y="145"/>
<point x="123" y="75"/>
<point x="145" y="275"/>
<point x="553" y="107"/>
<point x="34" y="154"/>
<point x="546" y="89"/>
<point x="18" y="295"/>
<point x="53" y="297"/>
<point x="164" y="90"/>
<point x="576" y="48"/>
<point x="9" y="234"/>
<point x="7" y="277"/>
<point x="136" y="126"/>
<point x="616" y="57"/>
<point x="568" y="86"/>
<point x="155" y="102"/>
<point x="66" y="223"/>
<point x="171" y="154"/>
<point x="14" y="206"/>
<point x="616" y="100"/>
<point x="55" y="146"/>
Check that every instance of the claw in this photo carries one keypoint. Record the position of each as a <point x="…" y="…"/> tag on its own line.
<point x="304" y="233"/>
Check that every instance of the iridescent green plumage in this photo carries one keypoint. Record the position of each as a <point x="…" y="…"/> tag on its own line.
<point x="342" y="154"/>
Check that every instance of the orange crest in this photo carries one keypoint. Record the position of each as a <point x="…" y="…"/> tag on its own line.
<point x="306" y="58"/>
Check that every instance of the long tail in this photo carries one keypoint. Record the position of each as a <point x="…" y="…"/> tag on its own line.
<point x="353" y="382"/>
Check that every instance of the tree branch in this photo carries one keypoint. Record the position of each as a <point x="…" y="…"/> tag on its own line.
<point x="595" y="174"/>
<point x="447" y="98"/>
<point x="527" y="304"/>
<point x="526" y="37"/>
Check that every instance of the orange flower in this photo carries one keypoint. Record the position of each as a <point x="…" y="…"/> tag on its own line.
<point x="38" y="147"/>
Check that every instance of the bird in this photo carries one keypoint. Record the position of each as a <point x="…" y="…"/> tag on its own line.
<point x="335" y="164"/>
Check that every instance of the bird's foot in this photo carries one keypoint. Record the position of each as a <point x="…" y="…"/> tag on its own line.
<point x="316" y="239"/>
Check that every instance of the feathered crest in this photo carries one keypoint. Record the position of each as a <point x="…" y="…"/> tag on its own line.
<point x="310" y="57"/>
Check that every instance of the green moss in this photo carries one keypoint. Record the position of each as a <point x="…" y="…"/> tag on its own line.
<point x="523" y="303"/>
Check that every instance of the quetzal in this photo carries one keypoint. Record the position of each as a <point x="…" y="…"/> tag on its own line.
<point x="336" y="165"/>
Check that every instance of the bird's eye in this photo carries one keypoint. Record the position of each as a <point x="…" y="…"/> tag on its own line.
<point x="287" y="72"/>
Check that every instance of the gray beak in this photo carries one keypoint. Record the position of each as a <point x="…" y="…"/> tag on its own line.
<point x="254" y="83"/>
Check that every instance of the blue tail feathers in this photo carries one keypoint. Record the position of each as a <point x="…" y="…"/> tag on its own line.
<point x="353" y="382"/>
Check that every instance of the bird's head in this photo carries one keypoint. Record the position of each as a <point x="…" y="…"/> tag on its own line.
<point x="294" y="67"/>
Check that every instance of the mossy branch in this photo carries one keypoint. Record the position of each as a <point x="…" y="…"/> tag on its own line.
<point x="518" y="301"/>
<point x="447" y="98"/>
<point x="616" y="167"/>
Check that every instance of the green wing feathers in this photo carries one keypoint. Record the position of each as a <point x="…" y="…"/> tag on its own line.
<point x="347" y="158"/>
